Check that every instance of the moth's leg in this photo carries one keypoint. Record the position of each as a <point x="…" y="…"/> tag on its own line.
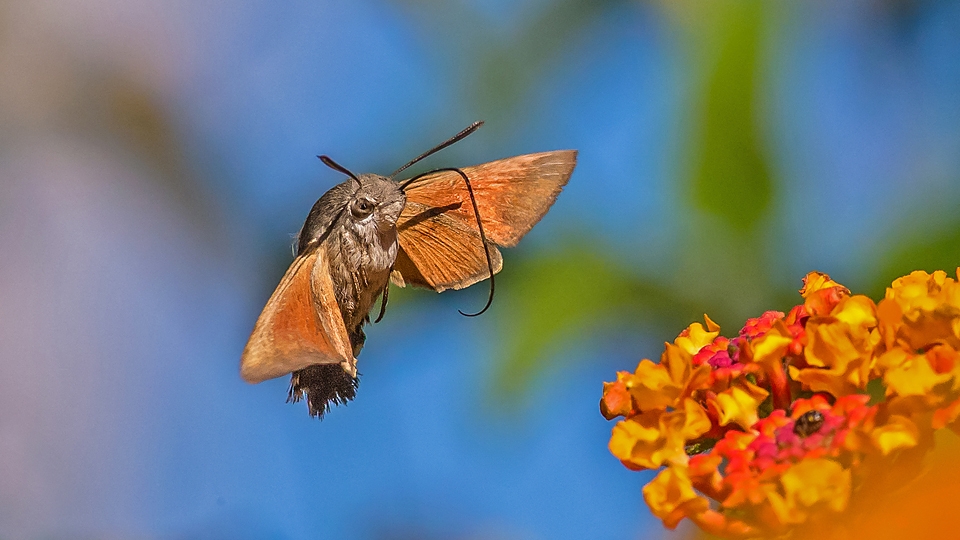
<point x="357" y="338"/>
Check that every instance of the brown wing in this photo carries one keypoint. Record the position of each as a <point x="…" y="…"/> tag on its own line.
<point x="440" y="245"/>
<point x="301" y="324"/>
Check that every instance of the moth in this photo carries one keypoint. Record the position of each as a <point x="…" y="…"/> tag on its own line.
<point x="438" y="230"/>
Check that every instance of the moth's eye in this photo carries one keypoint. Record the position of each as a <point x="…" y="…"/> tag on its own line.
<point x="361" y="208"/>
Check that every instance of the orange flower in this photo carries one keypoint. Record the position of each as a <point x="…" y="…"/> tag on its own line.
<point x="616" y="400"/>
<point x="915" y="510"/>
<point x="821" y="293"/>
<point x="768" y="350"/>
<point x="818" y="281"/>
<point x="948" y="417"/>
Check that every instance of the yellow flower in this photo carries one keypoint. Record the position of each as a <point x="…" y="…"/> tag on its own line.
<point x="918" y="384"/>
<point x="653" y="386"/>
<point x="739" y="404"/>
<point x="811" y="484"/>
<point x="695" y="337"/>
<point x="637" y="440"/>
<point x="912" y="374"/>
<point x="919" y="290"/>
<point x="818" y="281"/>
<point x="840" y="348"/>
<point x="768" y="349"/>
<point x="671" y="496"/>
<point x="889" y="321"/>
<point x="856" y="311"/>
<point x="898" y="433"/>
<point x="665" y="384"/>
<point x="930" y="304"/>
<point x="652" y="438"/>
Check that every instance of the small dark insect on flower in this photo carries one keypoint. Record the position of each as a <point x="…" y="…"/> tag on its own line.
<point x="808" y="423"/>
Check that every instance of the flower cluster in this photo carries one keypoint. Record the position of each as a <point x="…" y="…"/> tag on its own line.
<point x="786" y="423"/>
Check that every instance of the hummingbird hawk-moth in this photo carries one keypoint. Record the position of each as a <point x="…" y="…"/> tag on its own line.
<point x="438" y="230"/>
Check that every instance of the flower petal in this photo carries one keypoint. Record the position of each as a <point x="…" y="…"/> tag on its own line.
<point x="739" y="404"/>
<point x="898" y="433"/>
<point x="671" y="497"/>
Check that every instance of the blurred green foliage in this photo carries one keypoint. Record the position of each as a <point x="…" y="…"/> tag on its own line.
<point x="727" y="189"/>
<point x="731" y="177"/>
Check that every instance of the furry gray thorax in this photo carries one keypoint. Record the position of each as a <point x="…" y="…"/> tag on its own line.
<point x="357" y="228"/>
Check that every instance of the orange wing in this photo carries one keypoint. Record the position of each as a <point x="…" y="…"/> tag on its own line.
<point x="440" y="252"/>
<point x="301" y="324"/>
<point x="440" y="245"/>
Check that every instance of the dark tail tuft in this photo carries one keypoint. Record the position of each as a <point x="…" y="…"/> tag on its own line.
<point x="323" y="385"/>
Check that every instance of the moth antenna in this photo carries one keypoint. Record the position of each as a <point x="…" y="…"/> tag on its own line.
<point x="383" y="300"/>
<point x="459" y="136"/>
<point x="340" y="168"/>
<point x="483" y="236"/>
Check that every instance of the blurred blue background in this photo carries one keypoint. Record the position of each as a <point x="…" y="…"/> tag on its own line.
<point x="155" y="158"/>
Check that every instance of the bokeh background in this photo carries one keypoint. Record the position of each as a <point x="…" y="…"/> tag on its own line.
<point x="155" y="158"/>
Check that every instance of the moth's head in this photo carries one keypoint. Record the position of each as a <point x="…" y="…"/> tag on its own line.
<point x="376" y="200"/>
<point x="368" y="204"/>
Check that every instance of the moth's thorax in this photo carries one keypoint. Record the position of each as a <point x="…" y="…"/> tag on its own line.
<point x="360" y="240"/>
<point x="367" y="254"/>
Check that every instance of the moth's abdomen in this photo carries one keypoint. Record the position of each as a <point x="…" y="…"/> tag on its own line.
<point x="361" y="253"/>
<point x="359" y="274"/>
<point x="322" y="385"/>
